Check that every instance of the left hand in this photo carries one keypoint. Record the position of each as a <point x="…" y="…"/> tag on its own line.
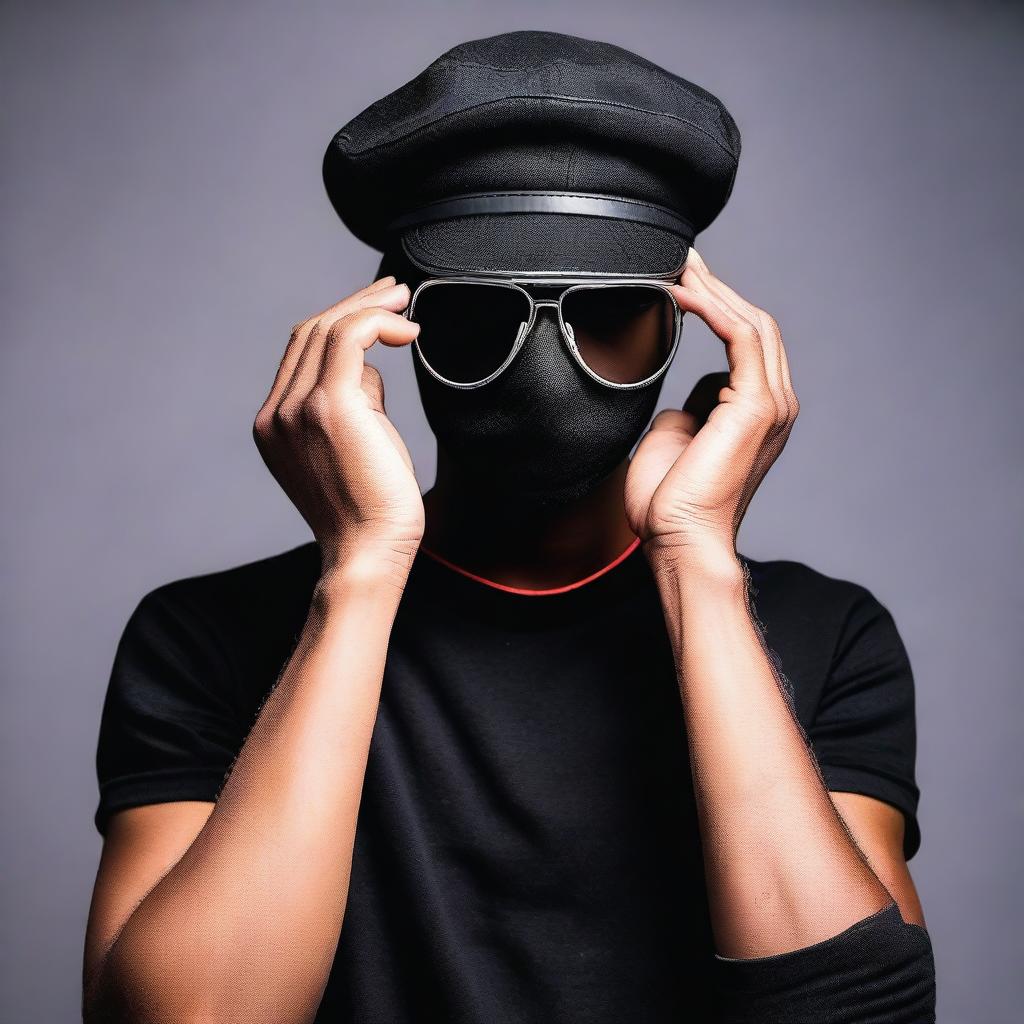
<point x="694" y="473"/>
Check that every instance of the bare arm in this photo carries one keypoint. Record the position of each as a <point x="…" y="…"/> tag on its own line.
<point x="784" y="872"/>
<point x="245" y="922"/>
<point x="878" y="829"/>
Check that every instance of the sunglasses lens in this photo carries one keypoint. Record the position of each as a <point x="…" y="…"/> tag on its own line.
<point x="624" y="333"/>
<point x="467" y="331"/>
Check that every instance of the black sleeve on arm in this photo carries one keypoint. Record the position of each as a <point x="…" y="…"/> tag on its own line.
<point x="864" y="732"/>
<point x="879" y="971"/>
<point x="169" y="728"/>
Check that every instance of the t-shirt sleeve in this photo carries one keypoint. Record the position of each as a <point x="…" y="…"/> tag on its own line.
<point x="168" y="728"/>
<point x="864" y="731"/>
<point x="880" y="970"/>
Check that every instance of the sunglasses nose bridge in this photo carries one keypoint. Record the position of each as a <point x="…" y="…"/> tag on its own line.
<point x="554" y="304"/>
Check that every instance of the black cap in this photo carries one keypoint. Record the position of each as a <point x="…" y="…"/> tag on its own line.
<point x="536" y="151"/>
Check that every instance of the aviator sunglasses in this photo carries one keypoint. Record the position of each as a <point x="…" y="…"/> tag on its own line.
<point x="623" y="332"/>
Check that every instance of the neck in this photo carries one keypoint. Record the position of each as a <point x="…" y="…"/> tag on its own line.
<point x="488" y="533"/>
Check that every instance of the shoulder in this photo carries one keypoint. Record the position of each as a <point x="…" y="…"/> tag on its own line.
<point x="242" y="612"/>
<point x="274" y="577"/>
<point x="191" y="668"/>
<point x="797" y="585"/>
<point x="801" y="578"/>
<point x="815" y="622"/>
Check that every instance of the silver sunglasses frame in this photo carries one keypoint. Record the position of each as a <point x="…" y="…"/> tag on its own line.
<point x="574" y="284"/>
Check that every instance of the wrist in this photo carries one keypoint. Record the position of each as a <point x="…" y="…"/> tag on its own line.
<point x="369" y="571"/>
<point x="694" y="582"/>
<point x="705" y="559"/>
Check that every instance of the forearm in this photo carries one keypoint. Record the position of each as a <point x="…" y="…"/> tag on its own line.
<point x="246" y="924"/>
<point x="782" y="870"/>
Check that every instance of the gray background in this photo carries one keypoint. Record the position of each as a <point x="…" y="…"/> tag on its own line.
<point x="164" y="225"/>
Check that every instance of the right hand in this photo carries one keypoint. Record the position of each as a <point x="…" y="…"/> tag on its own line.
<point x="324" y="434"/>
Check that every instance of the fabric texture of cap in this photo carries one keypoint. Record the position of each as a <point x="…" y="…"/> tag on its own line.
<point x="532" y="152"/>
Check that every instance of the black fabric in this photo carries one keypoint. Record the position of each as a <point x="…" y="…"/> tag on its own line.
<point x="536" y="111"/>
<point x="527" y="846"/>
<point x="880" y="970"/>
<point x="585" y="245"/>
<point x="574" y="432"/>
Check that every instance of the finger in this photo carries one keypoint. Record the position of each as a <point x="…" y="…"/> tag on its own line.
<point x="742" y="343"/>
<point x="285" y="369"/>
<point x="776" y="370"/>
<point x="357" y="298"/>
<point x="677" y="421"/>
<point x="396" y="439"/>
<point x="307" y="370"/>
<point x="372" y="384"/>
<point x="786" y="374"/>
<point x="696" y="264"/>
<point x="698" y="274"/>
<point x="373" y="387"/>
<point x="301" y="332"/>
<point x="349" y="337"/>
<point x="775" y="357"/>
<point x="764" y="324"/>
<point x="697" y="278"/>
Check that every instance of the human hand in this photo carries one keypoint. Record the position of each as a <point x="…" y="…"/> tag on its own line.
<point x="324" y="433"/>
<point x="695" y="471"/>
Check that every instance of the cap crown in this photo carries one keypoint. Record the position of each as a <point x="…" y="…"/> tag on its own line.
<point x="534" y="110"/>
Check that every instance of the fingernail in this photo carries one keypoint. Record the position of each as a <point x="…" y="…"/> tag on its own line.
<point x="389" y="288"/>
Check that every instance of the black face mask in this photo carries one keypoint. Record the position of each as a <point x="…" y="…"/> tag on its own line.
<point x="543" y="430"/>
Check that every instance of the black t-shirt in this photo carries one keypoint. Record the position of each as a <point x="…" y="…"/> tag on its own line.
<point x="527" y="846"/>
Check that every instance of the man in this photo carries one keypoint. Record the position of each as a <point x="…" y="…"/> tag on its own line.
<point x="591" y="781"/>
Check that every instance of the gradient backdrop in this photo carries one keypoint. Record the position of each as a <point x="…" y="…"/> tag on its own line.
<point x="164" y="225"/>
